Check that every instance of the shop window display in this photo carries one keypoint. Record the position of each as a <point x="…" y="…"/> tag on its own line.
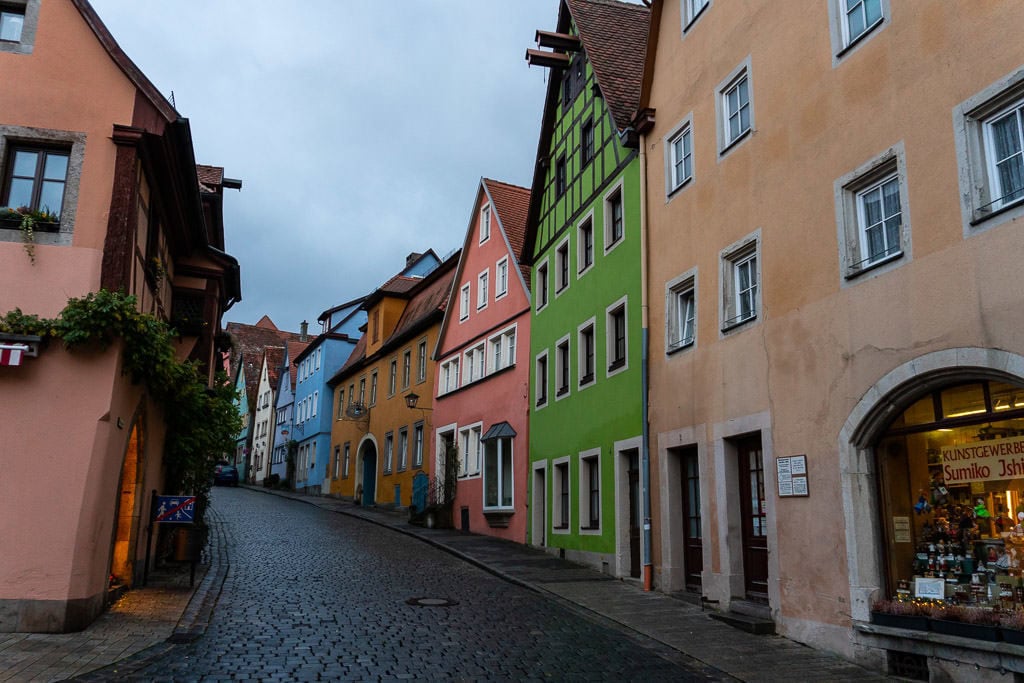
<point x="951" y="479"/>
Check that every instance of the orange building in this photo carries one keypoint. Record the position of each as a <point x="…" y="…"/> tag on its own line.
<point x="378" y="442"/>
<point x="87" y="141"/>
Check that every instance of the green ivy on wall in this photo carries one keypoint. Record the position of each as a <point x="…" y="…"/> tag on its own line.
<point x="202" y="422"/>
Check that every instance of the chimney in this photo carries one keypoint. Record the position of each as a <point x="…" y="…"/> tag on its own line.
<point x="304" y="331"/>
<point x="411" y="258"/>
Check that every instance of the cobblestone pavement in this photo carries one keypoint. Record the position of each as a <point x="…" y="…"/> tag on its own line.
<point x="312" y="595"/>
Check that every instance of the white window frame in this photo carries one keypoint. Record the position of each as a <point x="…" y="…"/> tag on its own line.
<point x="540" y="380"/>
<point x="500" y="456"/>
<point x="618" y="189"/>
<point x="403" y="448"/>
<point x="464" y="302"/>
<point x="421" y="361"/>
<point x="417" y="440"/>
<point x="559" y="525"/>
<point x="501" y="278"/>
<point x="972" y="119"/>
<point x="849" y="191"/>
<point x="316" y="401"/>
<point x="469" y="450"/>
<point x="692" y="10"/>
<point x="543" y="285"/>
<point x="474" y="364"/>
<point x="591" y="326"/>
<point x="587" y="459"/>
<point x="843" y="44"/>
<point x="562" y="274"/>
<point x="389" y="451"/>
<point x="449" y="378"/>
<point x="26" y="41"/>
<point x="581" y="245"/>
<point x="373" y="388"/>
<point x="563" y="368"/>
<point x="609" y="327"/>
<point x="682" y="132"/>
<point x="406" y="368"/>
<point x="392" y="376"/>
<point x="727" y="141"/>
<point x="345" y="463"/>
<point x="501" y="349"/>
<point x="730" y="258"/>
<point x="482" y="293"/>
<point x="318" y="354"/>
<point x="337" y="461"/>
<point x="485" y="223"/>
<point x="676" y="291"/>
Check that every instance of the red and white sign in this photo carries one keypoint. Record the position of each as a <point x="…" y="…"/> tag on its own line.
<point x="12" y="354"/>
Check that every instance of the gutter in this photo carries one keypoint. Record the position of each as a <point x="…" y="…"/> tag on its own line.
<point x="645" y="454"/>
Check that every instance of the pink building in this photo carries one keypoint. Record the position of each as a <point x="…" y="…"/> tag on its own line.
<point x="87" y="142"/>
<point x="482" y="384"/>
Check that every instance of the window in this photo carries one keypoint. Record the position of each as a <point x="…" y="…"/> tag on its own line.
<point x="389" y="451"/>
<point x="541" y="380"/>
<point x="485" y="223"/>
<point x="449" y="375"/>
<point x="469" y="447"/>
<point x="861" y="16"/>
<point x="12" y="21"/>
<point x="681" y="312"/>
<point x="362" y="391"/>
<point x="587" y="141"/>
<point x="464" y="302"/>
<point x="319" y="352"/>
<point x="346" y="460"/>
<point x="613" y="225"/>
<point x="573" y="80"/>
<point x="501" y="278"/>
<point x="498" y="473"/>
<point x="373" y="388"/>
<point x="421" y="361"/>
<point x="36" y="178"/>
<point x="351" y="393"/>
<point x="740" y="283"/>
<point x="18" y="20"/>
<point x="691" y="10"/>
<point x="481" y="289"/>
<point x="872" y="220"/>
<point x="560" y="511"/>
<point x="406" y="367"/>
<point x="590" y="490"/>
<point x="474" y="364"/>
<point x="375" y="325"/>
<point x="316" y="401"/>
<point x="736" y="109"/>
<point x="561" y="180"/>
<point x="562" y="367"/>
<point x="989" y="134"/>
<point x="586" y="353"/>
<point x="617" y="341"/>
<point x="341" y="403"/>
<point x="585" y="245"/>
<point x="337" y="461"/>
<point x="417" y="445"/>
<point x="502" y="350"/>
<point x="403" y="448"/>
<point x="542" y="285"/>
<point x="392" y="376"/>
<point x="561" y="267"/>
<point x="678" y="158"/>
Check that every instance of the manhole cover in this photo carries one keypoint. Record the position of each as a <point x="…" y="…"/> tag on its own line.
<point x="431" y="602"/>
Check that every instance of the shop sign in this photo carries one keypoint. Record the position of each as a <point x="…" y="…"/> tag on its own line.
<point x="929" y="589"/>
<point x="791" y="473"/>
<point x="983" y="461"/>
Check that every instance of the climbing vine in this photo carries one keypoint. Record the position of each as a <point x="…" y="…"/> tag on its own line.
<point x="202" y="422"/>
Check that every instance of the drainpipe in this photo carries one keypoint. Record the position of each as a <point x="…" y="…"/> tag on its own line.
<point x="645" y="455"/>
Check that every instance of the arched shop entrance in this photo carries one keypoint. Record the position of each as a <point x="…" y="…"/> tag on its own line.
<point x="951" y="492"/>
<point x="126" y="521"/>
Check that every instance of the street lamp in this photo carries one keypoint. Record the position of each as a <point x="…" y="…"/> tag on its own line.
<point x="411" y="399"/>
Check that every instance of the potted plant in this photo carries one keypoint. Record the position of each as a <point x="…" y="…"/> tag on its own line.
<point x="29" y="221"/>
<point x="1011" y="626"/>
<point x="967" y="622"/>
<point x="900" y="614"/>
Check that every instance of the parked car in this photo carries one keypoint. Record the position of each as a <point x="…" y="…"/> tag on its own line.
<point x="225" y="475"/>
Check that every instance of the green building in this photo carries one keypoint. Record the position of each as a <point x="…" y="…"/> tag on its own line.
<point x="583" y="244"/>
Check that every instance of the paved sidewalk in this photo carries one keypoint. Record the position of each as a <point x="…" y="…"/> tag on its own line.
<point x="143" y="624"/>
<point x="677" y="624"/>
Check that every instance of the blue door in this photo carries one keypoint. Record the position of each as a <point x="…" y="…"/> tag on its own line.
<point x="419" y="491"/>
<point x="369" y="474"/>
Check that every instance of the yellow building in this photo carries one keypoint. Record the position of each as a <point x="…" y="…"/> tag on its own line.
<point x="378" y="442"/>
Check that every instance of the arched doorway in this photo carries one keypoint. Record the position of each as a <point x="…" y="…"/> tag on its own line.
<point x="126" y="520"/>
<point x="369" y="465"/>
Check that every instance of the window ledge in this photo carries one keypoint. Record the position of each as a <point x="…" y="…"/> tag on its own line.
<point x="735" y="141"/>
<point x="676" y="348"/>
<point x="980" y="217"/>
<point x="734" y="324"/>
<point x="860" y="38"/>
<point x="854" y="273"/>
<point x="617" y="364"/>
<point x="679" y="188"/>
<point x="498" y="518"/>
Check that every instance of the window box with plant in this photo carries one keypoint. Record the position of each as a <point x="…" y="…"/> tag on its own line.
<point x="901" y="614"/>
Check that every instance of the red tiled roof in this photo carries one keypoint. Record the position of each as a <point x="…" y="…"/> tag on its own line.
<point x="614" y="34"/>
<point x="431" y="298"/>
<point x="294" y="349"/>
<point x="355" y="358"/>
<point x="399" y="284"/>
<point x="275" y="357"/>
<point x="247" y="345"/>
<point x="511" y="204"/>
<point x="210" y="176"/>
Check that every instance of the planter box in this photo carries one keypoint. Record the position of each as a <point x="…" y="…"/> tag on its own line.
<point x="959" y="628"/>
<point x="1012" y="635"/>
<point x="916" y="623"/>
<point x="15" y="224"/>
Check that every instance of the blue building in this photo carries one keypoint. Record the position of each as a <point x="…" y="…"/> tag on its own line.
<point x="284" y="405"/>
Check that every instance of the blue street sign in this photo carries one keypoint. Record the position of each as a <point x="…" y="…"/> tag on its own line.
<point x="175" y="509"/>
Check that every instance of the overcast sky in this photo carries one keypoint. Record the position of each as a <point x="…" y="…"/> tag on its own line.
<point x="360" y="129"/>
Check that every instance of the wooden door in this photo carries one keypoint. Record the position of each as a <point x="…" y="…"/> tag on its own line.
<point x="634" y="513"/>
<point x="755" y="530"/>
<point x="693" y="545"/>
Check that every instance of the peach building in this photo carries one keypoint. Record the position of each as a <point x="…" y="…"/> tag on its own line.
<point x="835" y="193"/>
<point x="87" y="138"/>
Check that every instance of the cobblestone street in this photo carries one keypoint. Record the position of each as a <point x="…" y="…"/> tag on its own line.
<point x="312" y="595"/>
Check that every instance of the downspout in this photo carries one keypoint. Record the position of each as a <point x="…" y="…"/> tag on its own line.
<point x="645" y="455"/>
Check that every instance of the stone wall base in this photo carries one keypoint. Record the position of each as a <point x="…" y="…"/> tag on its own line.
<point x="49" y="616"/>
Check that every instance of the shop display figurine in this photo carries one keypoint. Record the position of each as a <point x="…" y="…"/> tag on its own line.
<point x="922" y="506"/>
